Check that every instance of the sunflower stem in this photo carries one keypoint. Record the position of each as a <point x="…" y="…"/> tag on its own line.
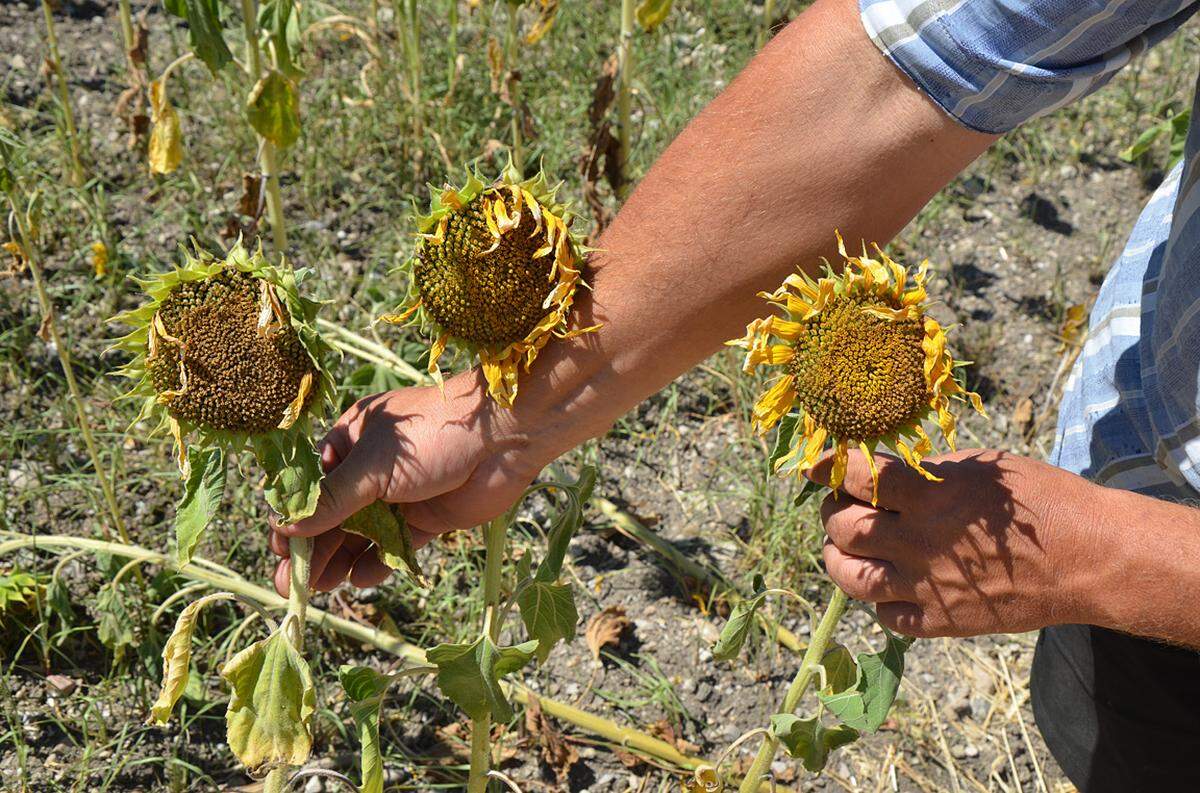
<point x="266" y="157"/>
<point x="64" y="98"/>
<point x="624" y="95"/>
<point x="821" y="637"/>
<point x="494" y="535"/>
<point x="514" y="86"/>
<point x="127" y="37"/>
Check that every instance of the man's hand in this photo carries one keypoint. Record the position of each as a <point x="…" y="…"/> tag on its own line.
<point x="1004" y="544"/>
<point x="449" y="460"/>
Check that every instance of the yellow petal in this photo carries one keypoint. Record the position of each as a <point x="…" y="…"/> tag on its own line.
<point x="870" y="455"/>
<point x="840" y="458"/>
<point x="402" y="317"/>
<point x="813" y="446"/>
<point x="774" y="355"/>
<point x="775" y="403"/>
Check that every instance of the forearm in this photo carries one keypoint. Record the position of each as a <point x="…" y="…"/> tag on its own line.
<point x="819" y="132"/>
<point x="1147" y="582"/>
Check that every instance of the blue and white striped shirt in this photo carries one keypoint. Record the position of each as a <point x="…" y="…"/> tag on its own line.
<point x="1130" y="415"/>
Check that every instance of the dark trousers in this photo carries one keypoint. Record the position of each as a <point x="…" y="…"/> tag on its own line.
<point x="1119" y="714"/>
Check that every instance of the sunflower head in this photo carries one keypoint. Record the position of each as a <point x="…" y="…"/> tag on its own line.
<point x="225" y="351"/>
<point x="495" y="273"/>
<point x="860" y="363"/>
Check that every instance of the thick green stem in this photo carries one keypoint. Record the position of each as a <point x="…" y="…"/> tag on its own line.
<point x="452" y="43"/>
<point x="514" y="86"/>
<point x="625" y="94"/>
<point x="64" y="358"/>
<point x="495" y="533"/>
<point x="804" y="675"/>
<point x="64" y="97"/>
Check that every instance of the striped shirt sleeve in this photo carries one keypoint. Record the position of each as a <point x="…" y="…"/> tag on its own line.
<point x="994" y="64"/>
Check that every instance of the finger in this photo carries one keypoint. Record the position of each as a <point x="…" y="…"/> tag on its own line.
<point x="352" y="485"/>
<point x="860" y="529"/>
<point x="325" y="547"/>
<point x="338" y="567"/>
<point x="905" y="618"/>
<point x="899" y="485"/>
<point x="283" y="577"/>
<point x="279" y="544"/>
<point x="490" y="489"/>
<point x="368" y="570"/>
<point x="869" y="580"/>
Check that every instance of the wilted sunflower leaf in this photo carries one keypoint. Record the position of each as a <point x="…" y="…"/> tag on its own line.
<point x="115" y="626"/>
<point x="58" y="598"/>
<point x="274" y="109"/>
<point x="544" y="22"/>
<point x="202" y="494"/>
<point x="384" y="525"/>
<point x="807" y="740"/>
<point x="166" y="138"/>
<point x="365" y="688"/>
<point x="177" y="659"/>
<point x="865" y="706"/>
<point x="277" y="17"/>
<point x="840" y="669"/>
<point x="469" y="674"/>
<point x="549" y="614"/>
<point x="271" y="704"/>
<point x="652" y="13"/>
<point x="741" y="620"/>
<point x="566" y="523"/>
<point x="204" y="30"/>
<point x="293" y="468"/>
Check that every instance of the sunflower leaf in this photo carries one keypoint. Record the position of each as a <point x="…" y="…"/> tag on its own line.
<point x="840" y="670"/>
<point x="365" y="688"/>
<point x="469" y="674"/>
<point x="741" y="620"/>
<point x="204" y="30"/>
<point x="549" y="614"/>
<point x="274" y="109"/>
<point x="384" y="525"/>
<point x="115" y="626"/>
<point x="293" y="469"/>
<point x="807" y="740"/>
<point x="202" y="494"/>
<point x="271" y="704"/>
<point x="783" y="438"/>
<point x="807" y="491"/>
<point x="652" y="13"/>
<point x="177" y="659"/>
<point x="866" y="704"/>
<point x="567" y="522"/>
<point x="277" y="17"/>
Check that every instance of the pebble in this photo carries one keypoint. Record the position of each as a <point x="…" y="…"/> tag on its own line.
<point x="314" y="785"/>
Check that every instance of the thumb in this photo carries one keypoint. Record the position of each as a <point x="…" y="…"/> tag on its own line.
<point x="349" y="487"/>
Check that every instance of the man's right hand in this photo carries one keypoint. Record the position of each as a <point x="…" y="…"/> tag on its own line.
<point x="450" y="460"/>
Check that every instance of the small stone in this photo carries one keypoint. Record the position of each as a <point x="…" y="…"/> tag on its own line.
<point x="314" y="785"/>
<point x="705" y="655"/>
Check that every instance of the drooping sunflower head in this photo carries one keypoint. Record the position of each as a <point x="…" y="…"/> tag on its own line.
<point x="495" y="273"/>
<point x="860" y="362"/>
<point x="225" y="349"/>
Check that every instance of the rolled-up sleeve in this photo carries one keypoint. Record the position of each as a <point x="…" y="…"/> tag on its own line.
<point x="994" y="64"/>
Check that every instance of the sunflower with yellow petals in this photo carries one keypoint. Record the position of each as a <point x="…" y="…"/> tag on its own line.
<point x="863" y="364"/>
<point x="495" y="274"/>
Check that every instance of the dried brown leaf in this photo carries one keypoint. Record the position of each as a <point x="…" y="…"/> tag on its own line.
<point x="605" y="628"/>
<point x="555" y="751"/>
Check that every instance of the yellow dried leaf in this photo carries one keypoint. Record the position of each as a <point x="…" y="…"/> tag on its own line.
<point x="177" y="659"/>
<point x="544" y="22"/>
<point x="495" y="63"/>
<point x="100" y="259"/>
<point x="166" y="137"/>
